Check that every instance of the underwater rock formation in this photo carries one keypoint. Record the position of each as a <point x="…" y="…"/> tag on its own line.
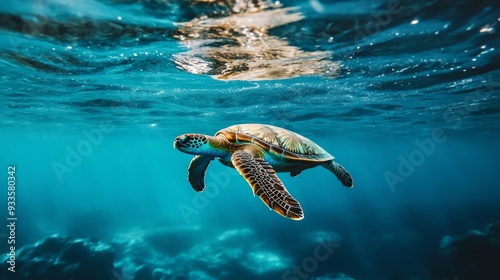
<point x="58" y="257"/>
<point x="475" y="255"/>
<point x="237" y="46"/>
<point x="164" y="253"/>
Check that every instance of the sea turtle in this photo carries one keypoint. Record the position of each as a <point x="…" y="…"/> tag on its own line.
<point x="258" y="151"/>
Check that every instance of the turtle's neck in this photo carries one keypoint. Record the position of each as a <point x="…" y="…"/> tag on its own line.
<point x="221" y="147"/>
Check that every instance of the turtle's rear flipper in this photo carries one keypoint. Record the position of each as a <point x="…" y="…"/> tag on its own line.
<point x="339" y="171"/>
<point x="264" y="182"/>
<point x="196" y="171"/>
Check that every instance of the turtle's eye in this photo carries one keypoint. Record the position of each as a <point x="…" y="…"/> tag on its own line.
<point x="184" y="139"/>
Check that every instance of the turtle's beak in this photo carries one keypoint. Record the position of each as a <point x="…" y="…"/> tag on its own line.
<point x="177" y="143"/>
<point x="181" y="141"/>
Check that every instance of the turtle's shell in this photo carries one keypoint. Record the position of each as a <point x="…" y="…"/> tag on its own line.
<point x="277" y="141"/>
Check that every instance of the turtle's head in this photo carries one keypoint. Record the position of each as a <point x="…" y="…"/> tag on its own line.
<point x="193" y="144"/>
<point x="199" y="144"/>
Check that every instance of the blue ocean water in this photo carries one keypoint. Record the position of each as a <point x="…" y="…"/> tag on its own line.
<point x="404" y="94"/>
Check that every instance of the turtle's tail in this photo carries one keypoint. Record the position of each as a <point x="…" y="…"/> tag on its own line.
<point x="344" y="177"/>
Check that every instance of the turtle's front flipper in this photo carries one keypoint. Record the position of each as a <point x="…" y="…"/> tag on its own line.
<point x="264" y="182"/>
<point x="339" y="171"/>
<point x="196" y="172"/>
